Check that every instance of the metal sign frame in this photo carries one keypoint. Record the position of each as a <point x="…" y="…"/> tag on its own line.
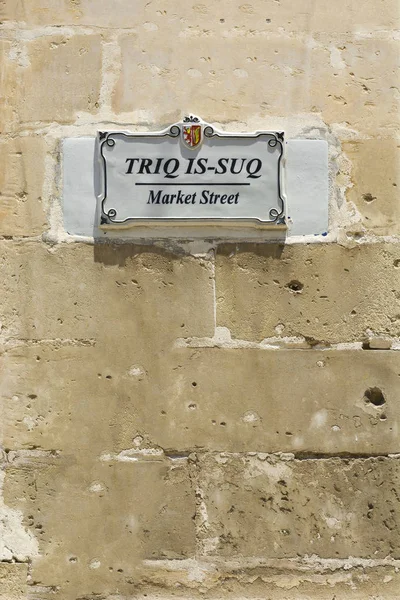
<point x="274" y="138"/>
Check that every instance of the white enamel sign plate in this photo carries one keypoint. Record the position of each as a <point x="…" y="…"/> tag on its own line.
<point x="193" y="173"/>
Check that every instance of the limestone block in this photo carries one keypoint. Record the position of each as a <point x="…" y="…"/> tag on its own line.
<point x="272" y="508"/>
<point x="72" y="12"/>
<point x="9" y="87"/>
<point x="97" y="520"/>
<point x="63" y="397"/>
<point x="304" y="16"/>
<point x="21" y="183"/>
<point x="223" y="83"/>
<point x="356" y="82"/>
<point x="376" y="181"/>
<point x="61" y="78"/>
<point x="256" y="400"/>
<point x="104" y="292"/>
<point x="343" y="16"/>
<point x="290" y="75"/>
<point x="109" y="398"/>
<point x="378" y="343"/>
<point x="13" y="578"/>
<point x="325" y="293"/>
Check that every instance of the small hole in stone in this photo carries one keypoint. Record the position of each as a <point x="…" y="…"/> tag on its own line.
<point x="108" y="377"/>
<point x="223" y="424"/>
<point x="396" y="263"/>
<point x="268" y="20"/>
<point x="192" y="406"/>
<point x="375" y="396"/>
<point x="163" y="412"/>
<point x="222" y="20"/>
<point x="295" y="286"/>
<point x="194" y="383"/>
<point x="214" y="422"/>
<point x="353" y="312"/>
<point x="369" y="197"/>
<point x="32" y="396"/>
<point x="383" y="417"/>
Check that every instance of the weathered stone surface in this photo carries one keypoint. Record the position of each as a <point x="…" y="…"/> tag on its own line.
<point x="62" y="78"/>
<point x="137" y="437"/>
<point x="21" y="184"/>
<point x="9" y="88"/>
<point x="379" y="343"/>
<point x="221" y="76"/>
<point x="263" y="507"/>
<point x="13" y="581"/>
<point x="304" y="16"/>
<point x="109" y="293"/>
<point x="375" y="173"/>
<point x="324" y="293"/>
<point x="290" y="74"/>
<point x="245" y="400"/>
<point x="272" y="579"/>
<point x="96" y="520"/>
<point x="71" y="12"/>
<point x="355" y="83"/>
<point x="59" y="397"/>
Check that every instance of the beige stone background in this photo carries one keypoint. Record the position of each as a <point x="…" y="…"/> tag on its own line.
<point x="211" y="420"/>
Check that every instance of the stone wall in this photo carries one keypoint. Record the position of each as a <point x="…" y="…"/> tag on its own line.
<point x="210" y="419"/>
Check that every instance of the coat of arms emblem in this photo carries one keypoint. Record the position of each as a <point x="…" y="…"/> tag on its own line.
<point x="192" y="134"/>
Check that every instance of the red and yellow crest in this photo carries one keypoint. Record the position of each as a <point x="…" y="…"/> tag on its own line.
<point x="192" y="135"/>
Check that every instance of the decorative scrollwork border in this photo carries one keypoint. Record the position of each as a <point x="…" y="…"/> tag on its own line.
<point x="106" y="138"/>
<point x="276" y="138"/>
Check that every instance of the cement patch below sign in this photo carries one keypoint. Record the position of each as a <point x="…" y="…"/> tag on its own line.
<point x="191" y="173"/>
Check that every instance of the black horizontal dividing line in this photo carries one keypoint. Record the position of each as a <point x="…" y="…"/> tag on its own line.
<point x="201" y="184"/>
